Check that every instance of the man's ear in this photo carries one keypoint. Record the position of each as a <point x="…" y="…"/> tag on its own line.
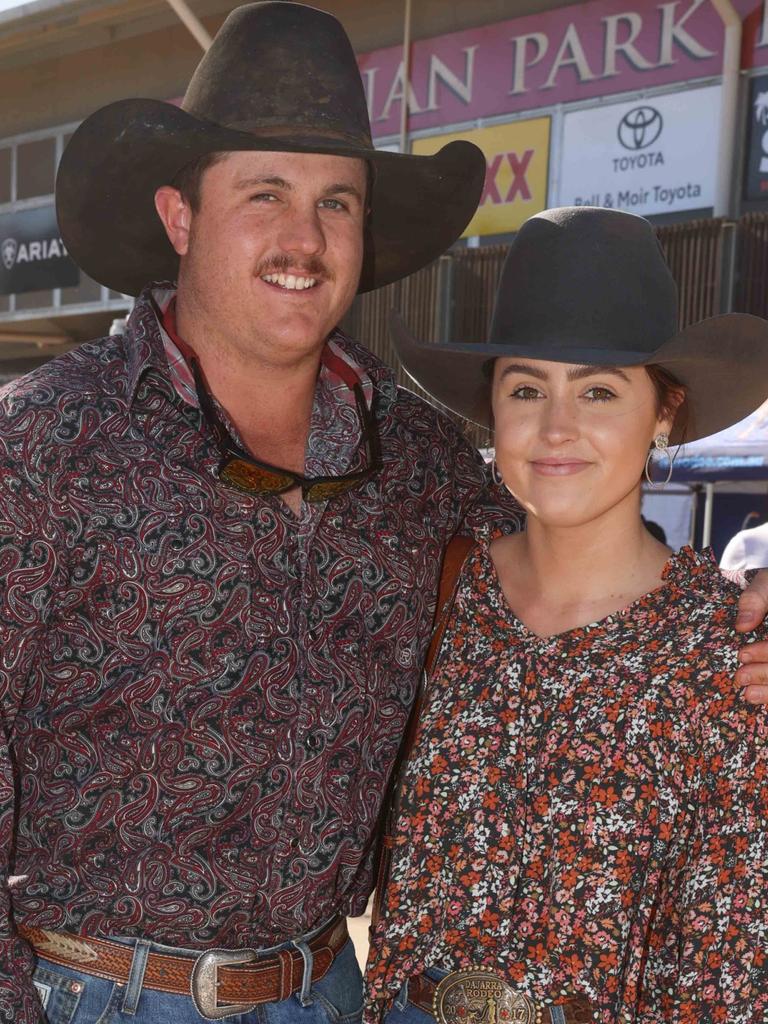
<point x="176" y="216"/>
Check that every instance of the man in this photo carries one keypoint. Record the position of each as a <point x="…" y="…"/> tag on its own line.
<point x="221" y="537"/>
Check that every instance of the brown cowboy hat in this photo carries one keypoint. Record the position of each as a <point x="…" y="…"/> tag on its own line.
<point x="591" y="286"/>
<point x="281" y="77"/>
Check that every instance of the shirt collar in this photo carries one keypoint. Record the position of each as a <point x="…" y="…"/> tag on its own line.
<point x="156" y="344"/>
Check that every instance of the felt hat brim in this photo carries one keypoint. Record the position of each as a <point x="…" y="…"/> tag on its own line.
<point x="120" y="155"/>
<point x="722" y="361"/>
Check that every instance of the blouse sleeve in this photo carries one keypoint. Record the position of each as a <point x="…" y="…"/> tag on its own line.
<point x="723" y="945"/>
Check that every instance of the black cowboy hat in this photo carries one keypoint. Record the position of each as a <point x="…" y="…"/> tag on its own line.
<point x="280" y="77"/>
<point x="591" y="286"/>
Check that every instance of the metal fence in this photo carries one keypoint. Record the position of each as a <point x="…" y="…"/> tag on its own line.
<point x="695" y="253"/>
<point x="751" y="284"/>
<point x="452" y="299"/>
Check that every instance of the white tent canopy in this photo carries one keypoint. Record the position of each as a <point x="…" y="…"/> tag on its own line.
<point x="738" y="453"/>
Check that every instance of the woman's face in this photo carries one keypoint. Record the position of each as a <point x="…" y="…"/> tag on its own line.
<point x="571" y="441"/>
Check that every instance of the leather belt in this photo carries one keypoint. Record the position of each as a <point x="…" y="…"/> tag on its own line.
<point x="421" y="992"/>
<point x="220" y="981"/>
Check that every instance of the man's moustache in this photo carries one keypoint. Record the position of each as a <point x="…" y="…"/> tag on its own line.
<point x="309" y="267"/>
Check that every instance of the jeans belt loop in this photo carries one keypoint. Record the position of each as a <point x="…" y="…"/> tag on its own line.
<point x="305" y="995"/>
<point x="136" y="979"/>
<point x="401" y="999"/>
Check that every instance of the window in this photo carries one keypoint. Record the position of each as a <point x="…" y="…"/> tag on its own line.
<point x="35" y="168"/>
<point x="27" y="182"/>
<point x="86" y="291"/>
<point x="34" y="300"/>
<point x="5" y="175"/>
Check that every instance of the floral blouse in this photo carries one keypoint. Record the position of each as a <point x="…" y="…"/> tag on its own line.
<point x="588" y="812"/>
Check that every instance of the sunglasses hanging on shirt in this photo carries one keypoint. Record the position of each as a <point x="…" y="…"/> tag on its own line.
<point x="242" y="470"/>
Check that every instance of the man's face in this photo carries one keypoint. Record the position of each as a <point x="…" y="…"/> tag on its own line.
<point x="272" y="256"/>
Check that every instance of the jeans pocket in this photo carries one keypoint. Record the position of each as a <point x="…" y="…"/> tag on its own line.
<point x="59" y="995"/>
<point x="340" y="992"/>
<point x="334" y="1014"/>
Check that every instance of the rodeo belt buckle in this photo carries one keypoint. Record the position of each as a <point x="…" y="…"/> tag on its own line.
<point x="477" y="995"/>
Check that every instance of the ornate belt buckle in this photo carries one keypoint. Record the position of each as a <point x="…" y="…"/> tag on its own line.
<point x="204" y="982"/>
<point x="477" y="995"/>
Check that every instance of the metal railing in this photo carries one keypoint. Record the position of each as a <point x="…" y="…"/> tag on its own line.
<point x="751" y="283"/>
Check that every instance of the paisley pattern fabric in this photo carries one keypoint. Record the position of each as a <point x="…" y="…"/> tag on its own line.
<point x="202" y="694"/>
<point x="588" y="813"/>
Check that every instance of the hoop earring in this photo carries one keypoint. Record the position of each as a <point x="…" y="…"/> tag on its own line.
<point x="660" y="444"/>
<point x="496" y="476"/>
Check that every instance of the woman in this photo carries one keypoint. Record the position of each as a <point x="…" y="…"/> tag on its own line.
<point x="583" y="830"/>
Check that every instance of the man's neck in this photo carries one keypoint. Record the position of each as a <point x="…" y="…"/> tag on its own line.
<point x="269" y="401"/>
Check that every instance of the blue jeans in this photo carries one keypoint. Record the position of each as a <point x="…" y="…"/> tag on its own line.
<point x="73" y="997"/>
<point x="404" y="1012"/>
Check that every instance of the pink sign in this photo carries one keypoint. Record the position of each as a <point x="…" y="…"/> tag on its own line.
<point x="573" y="53"/>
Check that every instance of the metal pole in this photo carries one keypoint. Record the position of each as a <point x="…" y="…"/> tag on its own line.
<point x="709" y="504"/>
<point x="692" y="519"/>
<point x="406" y="77"/>
<point x="728" y="276"/>
<point x="728" y="105"/>
<point x="192" y="22"/>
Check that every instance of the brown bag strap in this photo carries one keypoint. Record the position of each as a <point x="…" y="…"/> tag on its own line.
<point x="456" y="555"/>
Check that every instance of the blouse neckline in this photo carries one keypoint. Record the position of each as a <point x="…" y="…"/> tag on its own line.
<point x="683" y="568"/>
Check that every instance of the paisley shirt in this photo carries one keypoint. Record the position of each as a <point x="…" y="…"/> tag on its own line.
<point x="588" y="812"/>
<point x="201" y="693"/>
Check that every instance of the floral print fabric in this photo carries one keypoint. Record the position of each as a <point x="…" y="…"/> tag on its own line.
<point x="588" y="812"/>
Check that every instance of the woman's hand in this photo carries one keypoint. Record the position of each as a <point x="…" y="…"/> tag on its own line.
<point x="753" y="609"/>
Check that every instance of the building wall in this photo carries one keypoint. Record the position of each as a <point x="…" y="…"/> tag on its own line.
<point x="59" y="64"/>
<point x="61" y="75"/>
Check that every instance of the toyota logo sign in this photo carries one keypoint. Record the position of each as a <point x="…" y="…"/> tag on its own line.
<point x="640" y="127"/>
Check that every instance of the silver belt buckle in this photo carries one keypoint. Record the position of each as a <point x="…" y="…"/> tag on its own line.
<point x="477" y="995"/>
<point x="204" y="982"/>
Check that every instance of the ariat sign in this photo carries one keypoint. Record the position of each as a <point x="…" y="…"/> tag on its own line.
<point x="656" y="156"/>
<point x="32" y="254"/>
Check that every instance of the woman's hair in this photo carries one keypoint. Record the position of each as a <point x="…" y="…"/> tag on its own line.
<point x="671" y="396"/>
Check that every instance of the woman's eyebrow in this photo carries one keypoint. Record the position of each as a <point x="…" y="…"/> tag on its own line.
<point x="576" y="373"/>
<point x="529" y="368"/>
<point x="579" y="372"/>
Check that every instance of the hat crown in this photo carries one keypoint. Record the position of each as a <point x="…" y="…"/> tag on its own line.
<point x="281" y="67"/>
<point x="589" y="279"/>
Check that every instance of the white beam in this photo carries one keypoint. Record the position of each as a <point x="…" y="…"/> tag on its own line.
<point x="36" y="340"/>
<point x="728" y="105"/>
<point x="192" y="22"/>
<point x="406" y="77"/>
